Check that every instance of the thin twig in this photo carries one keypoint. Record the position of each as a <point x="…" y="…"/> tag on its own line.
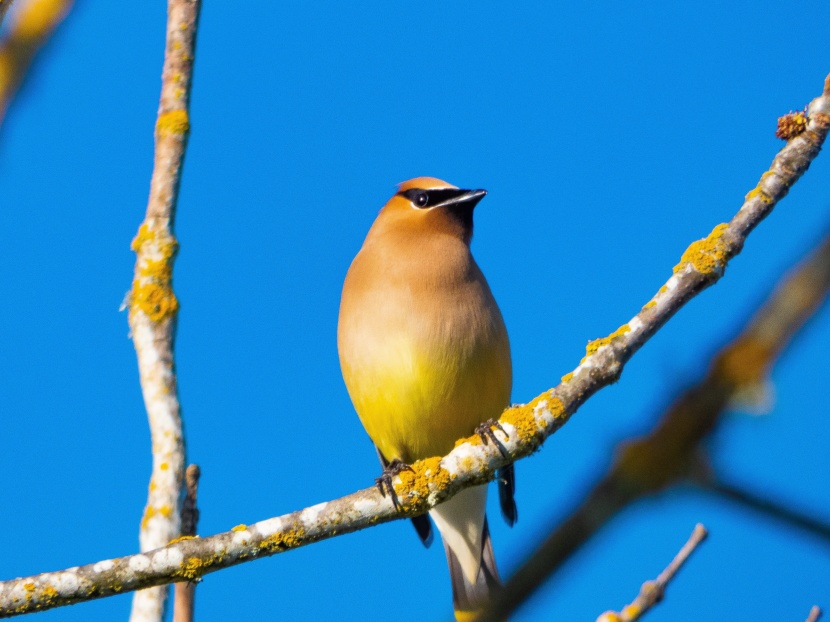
<point x="33" y="25"/>
<point x="434" y="480"/>
<point x="153" y="305"/>
<point x="815" y="614"/>
<point x="652" y="592"/>
<point x="184" y="592"/>
<point x="767" y="507"/>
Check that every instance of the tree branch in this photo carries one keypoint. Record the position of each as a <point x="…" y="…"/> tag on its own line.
<point x="652" y="592"/>
<point x="153" y="305"/>
<point x="767" y="507"/>
<point x="34" y="23"/>
<point x="815" y="614"/>
<point x="436" y="479"/>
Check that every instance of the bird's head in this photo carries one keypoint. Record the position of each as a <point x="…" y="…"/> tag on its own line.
<point x="430" y="205"/>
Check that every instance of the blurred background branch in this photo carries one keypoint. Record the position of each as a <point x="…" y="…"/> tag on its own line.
<point x="788" y="516"/>
<point x="5" y="5"/>
<point x="31" y="26"/>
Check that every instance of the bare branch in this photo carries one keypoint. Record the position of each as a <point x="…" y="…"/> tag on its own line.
<point x="34" y="23"/>
<point x="184" y="594"/>
<point x="652" y="592"/>
<point x="436" y="479"/>
<point x="767" y="507"/>
<point x="815" y="614"/>
<point x="153" y="305"/>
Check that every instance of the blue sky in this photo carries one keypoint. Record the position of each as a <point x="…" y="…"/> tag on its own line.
<point x="608" y="137"/>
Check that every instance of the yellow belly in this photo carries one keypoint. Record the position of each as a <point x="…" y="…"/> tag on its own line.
<point x="416" y="399"/>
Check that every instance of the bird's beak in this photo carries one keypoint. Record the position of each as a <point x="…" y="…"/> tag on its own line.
<point x="465" y="198"/>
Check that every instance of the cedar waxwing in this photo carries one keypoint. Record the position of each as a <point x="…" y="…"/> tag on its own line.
<point x="425" y="356"/>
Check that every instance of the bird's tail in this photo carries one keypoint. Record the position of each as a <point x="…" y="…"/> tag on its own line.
<point x="463" y="527"/>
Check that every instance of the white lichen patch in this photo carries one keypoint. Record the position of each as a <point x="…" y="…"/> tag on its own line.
<point x="139" y="563"/>
<point x="542" y="414"/>
<point x="268" y="527"/>
<point x="674" y="280"/>
<point x="66" y="582"/>
<point x="220" y="546"/>
<point x="366" y="506"/>
<point x="240" y="538"/>
<point x="309" y="515"/>
<point x="461" y="459"/>
<point x="635" y="324"/>
<point x="167" y="559"/>
<point x="103" y="566"/>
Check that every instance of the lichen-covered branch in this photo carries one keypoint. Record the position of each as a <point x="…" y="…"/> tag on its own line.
<point x="153" y="305"/>
<point x="33" y="25"/>
<point x="652" y="592"/>
<point x="434" y="480"/>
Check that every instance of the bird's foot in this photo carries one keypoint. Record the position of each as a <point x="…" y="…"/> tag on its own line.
<point x="485" y="431"/>
<point x="384" y="482"/>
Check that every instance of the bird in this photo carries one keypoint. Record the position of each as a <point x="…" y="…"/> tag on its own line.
<point x="425" y="357"/>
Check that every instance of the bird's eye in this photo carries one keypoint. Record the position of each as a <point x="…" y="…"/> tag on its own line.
<point x="421" y="199"/>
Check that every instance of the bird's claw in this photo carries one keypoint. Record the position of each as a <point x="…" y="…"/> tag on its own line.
<point x="485" y="432"/>
<point x="384" y="482"/>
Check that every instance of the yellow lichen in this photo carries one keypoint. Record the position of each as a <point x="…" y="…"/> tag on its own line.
<point x="49" y="592"/>
<point x="182" y="539"/>
<point x="164" y="466"/>
<point x="596" y="344"/>
<point x="568" y="377"/>
<point x="282" y="541"/>
<point x="707" y="255"/>
<point x="240" y="528"/>
<point x="649" y="304"/>
<point x="149" y="513"/>
<point x="791" y="125"/>
<point x="152" y="290"/>
<point x="29" y="587"/>
<point x="757" y="192"/>
<point x="145" y="234"/>
<point x="191" y="568"/>
<point x="523" y="417"/>
<point x="174" y="122"/>
<point x="425" y="475"/>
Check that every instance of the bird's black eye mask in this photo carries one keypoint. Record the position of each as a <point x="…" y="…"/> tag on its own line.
<point x="423" y="199"/>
